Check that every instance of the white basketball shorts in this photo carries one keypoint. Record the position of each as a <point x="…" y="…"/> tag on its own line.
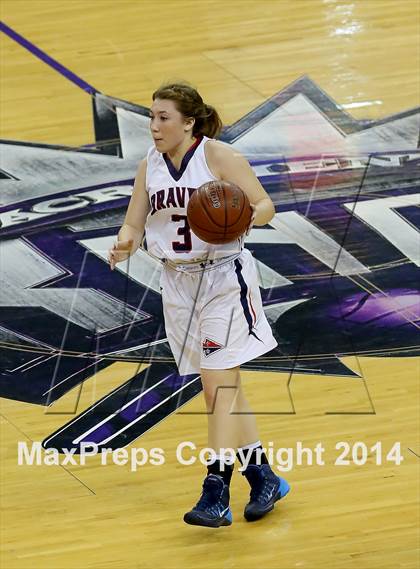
<point x="214" y="317"/>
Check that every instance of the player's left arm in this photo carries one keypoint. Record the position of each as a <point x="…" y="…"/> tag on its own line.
<point x="229" y="165"/>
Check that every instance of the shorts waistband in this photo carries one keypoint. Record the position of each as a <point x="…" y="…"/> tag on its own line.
<point x="200" y="265"/>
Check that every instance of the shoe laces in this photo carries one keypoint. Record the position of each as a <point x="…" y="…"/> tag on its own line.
<point x="212" y="491"/>
<point x="262" y="485"/>
<point x="263" y="493"/>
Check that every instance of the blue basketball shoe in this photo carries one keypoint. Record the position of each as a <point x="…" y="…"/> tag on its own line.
<point x="212" y="510"/>
<point x="266" y="489"/>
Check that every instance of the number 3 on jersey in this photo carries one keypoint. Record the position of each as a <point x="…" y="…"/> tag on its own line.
<point x="185" y="231"/>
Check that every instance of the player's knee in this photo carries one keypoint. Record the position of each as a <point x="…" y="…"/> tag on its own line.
<point x="209" y="398"/>
<point x="219" y="388"/>
<point x="210" y="392"/>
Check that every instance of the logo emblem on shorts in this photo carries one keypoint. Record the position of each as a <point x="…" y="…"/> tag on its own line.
<point x="210" y="346"/>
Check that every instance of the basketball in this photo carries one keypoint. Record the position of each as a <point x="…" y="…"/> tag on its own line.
<point x="219" y="212"/>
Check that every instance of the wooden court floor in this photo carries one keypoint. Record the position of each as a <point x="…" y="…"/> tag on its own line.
<point x="365" y="55"/>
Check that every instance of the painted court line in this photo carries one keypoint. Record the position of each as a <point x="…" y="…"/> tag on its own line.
<point x="47" y="59"/>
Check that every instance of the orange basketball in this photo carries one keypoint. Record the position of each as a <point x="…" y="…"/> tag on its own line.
<point x="219" y="212"/>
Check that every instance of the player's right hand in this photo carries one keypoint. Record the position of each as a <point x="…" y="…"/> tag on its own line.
<point x="120" y="251"/>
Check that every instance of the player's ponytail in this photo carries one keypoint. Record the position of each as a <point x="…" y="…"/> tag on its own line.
<point x="208" y="122"/>
<point x="190" y="103"/>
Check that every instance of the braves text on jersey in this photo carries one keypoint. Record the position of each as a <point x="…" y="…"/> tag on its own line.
<point x="168" y="235"/>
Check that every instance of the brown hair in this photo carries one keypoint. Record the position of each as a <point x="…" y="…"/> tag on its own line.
<point x="190" y="104"/>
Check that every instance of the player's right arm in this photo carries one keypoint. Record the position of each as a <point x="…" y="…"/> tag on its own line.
<point x="131" y="233"/>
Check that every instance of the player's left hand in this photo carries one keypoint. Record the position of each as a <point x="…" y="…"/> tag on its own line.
<point x="251" y="223"/>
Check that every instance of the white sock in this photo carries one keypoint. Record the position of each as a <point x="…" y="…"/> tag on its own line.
<point x="251" y="446"/>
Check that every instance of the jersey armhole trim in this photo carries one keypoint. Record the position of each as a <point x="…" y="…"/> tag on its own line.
<point x="146" y="178"/>
<point x="206" y="140"/>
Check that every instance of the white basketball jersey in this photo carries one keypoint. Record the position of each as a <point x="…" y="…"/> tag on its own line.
<point x="168" y="235"/>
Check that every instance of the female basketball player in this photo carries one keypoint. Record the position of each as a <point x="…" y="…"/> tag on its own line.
<point x="213" y="311"/>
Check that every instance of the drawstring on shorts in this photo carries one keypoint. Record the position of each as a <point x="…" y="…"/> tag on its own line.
<point x="199" y="266"/>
